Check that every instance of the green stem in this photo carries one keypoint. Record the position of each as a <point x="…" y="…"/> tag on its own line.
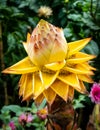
<point x="3" y="66"/>
<point x="93" y="14"/>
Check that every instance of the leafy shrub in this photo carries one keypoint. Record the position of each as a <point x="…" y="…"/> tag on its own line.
<point x="21" y="117"/>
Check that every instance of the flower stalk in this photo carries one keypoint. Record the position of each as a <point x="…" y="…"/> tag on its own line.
<point x="61" y="116"/>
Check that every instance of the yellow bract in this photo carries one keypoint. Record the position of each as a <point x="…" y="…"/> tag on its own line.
<point x="52" y="66"/>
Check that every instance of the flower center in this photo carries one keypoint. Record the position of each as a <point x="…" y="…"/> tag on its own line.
<point x="45" y="70"/>
<point x="62" y="71"/>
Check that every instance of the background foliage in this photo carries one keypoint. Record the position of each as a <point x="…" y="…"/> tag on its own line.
<point x="78" y="18"/>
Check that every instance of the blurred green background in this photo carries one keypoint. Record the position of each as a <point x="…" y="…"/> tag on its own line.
<point x="78" y="18"/>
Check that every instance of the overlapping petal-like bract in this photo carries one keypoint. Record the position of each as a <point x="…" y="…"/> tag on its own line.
<point x="52" y="66"/>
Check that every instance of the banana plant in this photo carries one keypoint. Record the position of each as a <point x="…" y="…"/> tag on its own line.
<point x="53" y="70"/>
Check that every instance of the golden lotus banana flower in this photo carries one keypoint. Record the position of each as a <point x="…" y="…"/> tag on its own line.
<point x="53" y="66"/>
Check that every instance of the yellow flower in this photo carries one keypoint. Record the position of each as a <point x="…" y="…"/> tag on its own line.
<point x="44" y="11"/>
<point x="52" y="66"/>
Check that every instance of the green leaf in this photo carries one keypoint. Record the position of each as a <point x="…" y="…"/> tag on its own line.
<point x="78" y="103"/>
<point x="3" y="2"/>
<point x="87" y="19"/>
<point x="42" y="105"/>
<point x="15" y="15"/>
<point x="24" y="4"/>
<point x="68" y="32"/>
<point x="75" y="17"/>
<point x="92" y="48"/>
<point x="13" y="108"/>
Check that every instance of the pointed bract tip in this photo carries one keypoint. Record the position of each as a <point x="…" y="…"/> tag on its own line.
<point x="5" y="71"/>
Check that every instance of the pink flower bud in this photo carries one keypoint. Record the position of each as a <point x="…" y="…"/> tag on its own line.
<point x="12" y="125"/>
<point x="95" y="93"/>
<point x="29" y="118"/>
<point x="25" y="118"/>
<point x="42" y="114"/>
<point x="22" y="118"/>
